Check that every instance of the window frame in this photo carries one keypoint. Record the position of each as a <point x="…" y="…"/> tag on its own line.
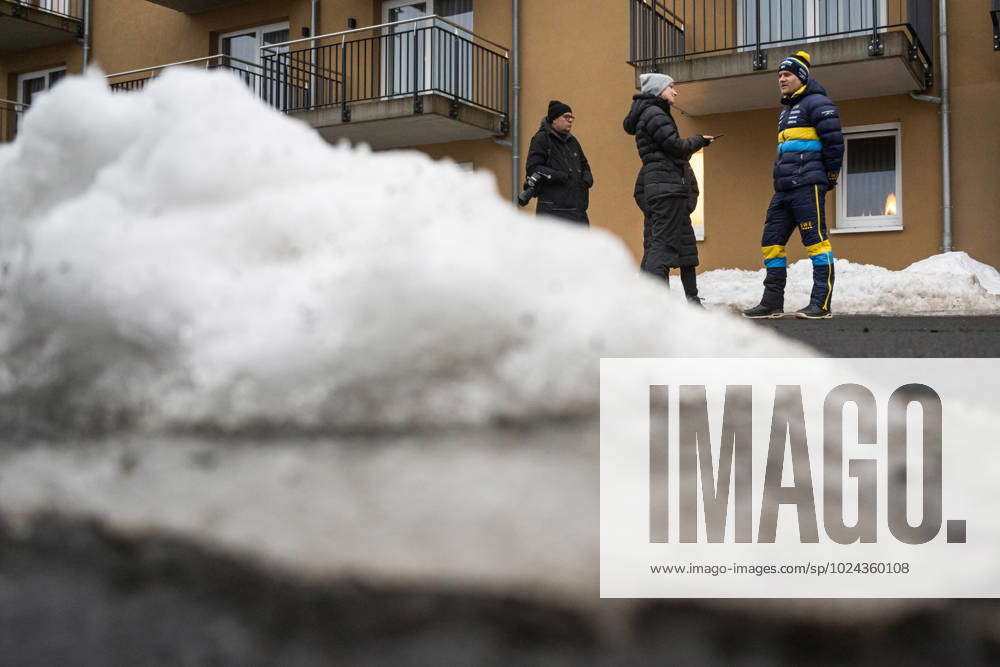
<point x="46" y="73"/>
<point x="38" y="74"/>
<point x="260" y="31"/>
<point x="872" y="223"/>
<point x="698" y="214"/>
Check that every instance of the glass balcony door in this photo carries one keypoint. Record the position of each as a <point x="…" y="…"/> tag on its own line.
<point x="418" y="59"/>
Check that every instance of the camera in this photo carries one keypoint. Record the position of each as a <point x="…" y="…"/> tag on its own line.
<point x="531" y="187"/>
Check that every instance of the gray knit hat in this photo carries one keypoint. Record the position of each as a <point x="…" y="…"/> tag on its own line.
<point x="654" y="83"/>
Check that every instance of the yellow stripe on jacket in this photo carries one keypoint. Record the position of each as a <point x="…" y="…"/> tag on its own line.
<point x="802" y="133"/>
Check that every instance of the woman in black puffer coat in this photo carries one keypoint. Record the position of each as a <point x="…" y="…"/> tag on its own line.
<point x="666" y="189"/>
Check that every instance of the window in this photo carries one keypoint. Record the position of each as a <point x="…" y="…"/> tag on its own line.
<point x="698" y="215"/>
<point x="31" y="84"/>
<point x="243" y="47"/>
<point x="869" y="197"/>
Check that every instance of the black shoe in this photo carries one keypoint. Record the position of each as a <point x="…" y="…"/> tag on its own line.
<point x="814" y="312"/>
<point x="696" y="302"/>
<point x="762" y="311"/>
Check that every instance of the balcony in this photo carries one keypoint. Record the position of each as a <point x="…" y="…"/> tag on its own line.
<point x="196" y="6"/>
<point x="722" y="53"/>
<point x="279" y="93"/>
<point x="407" y="83"/>
<point x="32" y="24"/>
<point x="10" y="115"/>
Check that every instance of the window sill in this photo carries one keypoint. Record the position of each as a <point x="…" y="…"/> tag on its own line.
<point x="856" y="230"/>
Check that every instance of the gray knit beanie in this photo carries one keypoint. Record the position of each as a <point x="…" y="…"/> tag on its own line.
<point x="654" y="83"/>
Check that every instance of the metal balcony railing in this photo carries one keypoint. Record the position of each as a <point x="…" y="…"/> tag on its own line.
<point x="72" y="9"/>
<point x="275" y="90"/>
<point x="665" y="30"/>
<point x="995" y="15"/>
<point x="392" y="61"/>
<point x="10" y="116"/>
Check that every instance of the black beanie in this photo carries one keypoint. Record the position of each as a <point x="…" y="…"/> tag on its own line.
<point x="556" y="109"/>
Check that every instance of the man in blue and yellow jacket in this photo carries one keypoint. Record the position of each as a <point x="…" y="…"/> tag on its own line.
<point x="810" y="153"/>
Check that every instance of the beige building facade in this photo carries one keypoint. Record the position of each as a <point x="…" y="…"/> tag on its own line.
<point x="446" y="88"/>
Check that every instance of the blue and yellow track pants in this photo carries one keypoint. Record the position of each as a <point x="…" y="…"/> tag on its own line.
<point x="804" y="208"/>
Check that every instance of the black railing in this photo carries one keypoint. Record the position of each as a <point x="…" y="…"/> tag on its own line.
<point x="71" y="9"/>
<point x="665" y="30"/>
<point x="276" y="89"/>
<point x="10" y="116"/>
<point x="995" y="15"/>
<point x="405" y="59"/>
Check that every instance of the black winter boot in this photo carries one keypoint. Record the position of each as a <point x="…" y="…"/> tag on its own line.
<point x="764" y="311"/>
<point x="695" y="301"/>
<point x="814" y="312"/>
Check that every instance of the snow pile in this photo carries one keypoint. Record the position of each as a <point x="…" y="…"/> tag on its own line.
<point x="959" y="264"/>
<point x="185" y="257"/>
<point x="952" y="283"/>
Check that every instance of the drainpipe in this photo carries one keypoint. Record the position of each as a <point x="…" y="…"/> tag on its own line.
<point x="515" y="109"/>
<point x="86" y="35"/>
<point x="945" y="127"/>
<point x="313" y="26"/>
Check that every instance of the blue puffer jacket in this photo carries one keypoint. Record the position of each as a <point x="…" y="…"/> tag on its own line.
<point x="810" y="143"/>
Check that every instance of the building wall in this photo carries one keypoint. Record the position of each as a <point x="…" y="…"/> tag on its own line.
<point x="975" y="131"/>
<point x="577" y="53"/>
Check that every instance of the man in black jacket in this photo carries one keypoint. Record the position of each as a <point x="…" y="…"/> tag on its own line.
<point x="556" y="154"/>
<point x="810" y="153"/>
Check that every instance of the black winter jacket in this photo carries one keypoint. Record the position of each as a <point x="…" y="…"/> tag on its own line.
<point x="810" y="142"/>
<point x="566" y="194"/>
<point x="665" y="171"/>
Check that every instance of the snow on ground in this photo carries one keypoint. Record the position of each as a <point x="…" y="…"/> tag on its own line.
<point x="187" y="257"/>
<point x="951" y="283"/>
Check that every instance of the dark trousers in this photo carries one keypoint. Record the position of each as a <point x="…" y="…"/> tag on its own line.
<point x="668" y="240"/>
<point x="804" y="208"/>
<point x="567" y="214"/>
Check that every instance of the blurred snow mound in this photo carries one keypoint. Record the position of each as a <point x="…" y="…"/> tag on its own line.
<point x="185" y="257"/>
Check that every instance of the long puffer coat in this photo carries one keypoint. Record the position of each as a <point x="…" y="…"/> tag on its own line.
<point x="810" y="141"/>
<point x="665" y="175"/>
<point x="567" y="193"/>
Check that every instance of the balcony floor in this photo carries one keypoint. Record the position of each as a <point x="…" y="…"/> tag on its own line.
<point x="196" y="6"/>
<point x="23" y="28"/>
<point x="384" y="124"/>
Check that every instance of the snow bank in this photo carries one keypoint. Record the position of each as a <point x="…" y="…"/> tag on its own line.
<point x="185" y="257"/>
<point x="952" y="284"/>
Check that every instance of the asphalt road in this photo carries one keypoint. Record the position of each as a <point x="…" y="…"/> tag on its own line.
<point x="875" y="336"/>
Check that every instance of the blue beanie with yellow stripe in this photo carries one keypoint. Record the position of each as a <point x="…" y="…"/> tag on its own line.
<point x="797" y="65"/>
